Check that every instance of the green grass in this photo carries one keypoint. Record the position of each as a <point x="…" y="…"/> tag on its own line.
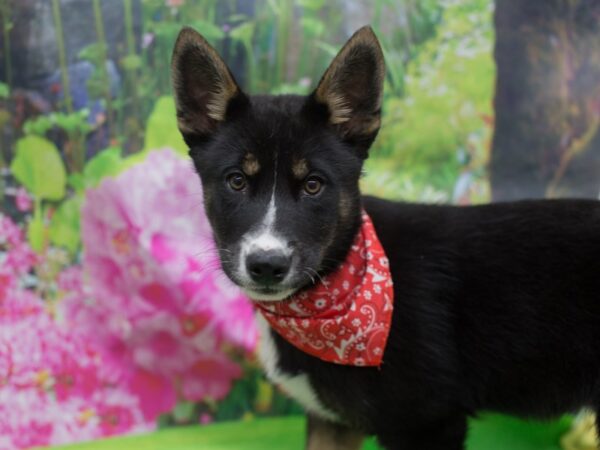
<point x="497" y="432"/>
<point x="287" y="433"/>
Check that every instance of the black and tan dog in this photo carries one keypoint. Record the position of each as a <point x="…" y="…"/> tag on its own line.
<point x="496" y="307"/>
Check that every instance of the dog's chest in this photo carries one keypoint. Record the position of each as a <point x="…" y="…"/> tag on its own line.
<point x="296" y="386"/>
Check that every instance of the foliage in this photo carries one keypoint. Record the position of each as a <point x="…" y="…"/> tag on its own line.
<point x="446" y="110"/>
<point x="161" y="130"/>
<point x="98" y="84"/>
<point x="4" y="91"/>
<point x="73" y="124"/>
<point x="64" y="225"/>
<point x="105" y="164"/>
<point x="75" y="127"/>
<point x="38" y="166"/>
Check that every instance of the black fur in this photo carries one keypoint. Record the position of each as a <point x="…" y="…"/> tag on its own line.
<point x="497" y="307"/>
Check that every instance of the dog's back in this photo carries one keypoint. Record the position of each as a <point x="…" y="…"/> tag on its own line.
<point x="512" y="289"/>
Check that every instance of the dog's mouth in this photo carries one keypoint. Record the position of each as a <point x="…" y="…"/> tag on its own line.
<point x="263" y="292"/>
<point x="267" y="293"/>
<point x="265" y="288"/>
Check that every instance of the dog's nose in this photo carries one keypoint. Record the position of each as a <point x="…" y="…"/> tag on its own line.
<point x="268" y="267"/>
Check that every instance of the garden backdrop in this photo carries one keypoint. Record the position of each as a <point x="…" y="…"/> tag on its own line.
<point x="114" y="316"/>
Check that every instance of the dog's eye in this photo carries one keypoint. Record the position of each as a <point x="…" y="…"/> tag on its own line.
<point x="236" y="181"/>
<point x="313" y="185"/>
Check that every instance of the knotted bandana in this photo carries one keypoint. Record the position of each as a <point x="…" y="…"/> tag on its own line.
<point x="345" y="318"/>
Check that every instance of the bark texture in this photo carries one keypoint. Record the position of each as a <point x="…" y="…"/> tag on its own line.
<point x="546" y="141"/>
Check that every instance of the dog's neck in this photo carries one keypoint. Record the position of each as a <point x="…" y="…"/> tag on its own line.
<point x="337" y="252"/>
<point x="345" y="318"/>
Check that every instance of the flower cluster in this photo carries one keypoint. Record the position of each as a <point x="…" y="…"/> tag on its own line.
<point x="145" y="320"/>
<point x="168" y="316"/>
<point x="16" y="257"/>
<point x="53" y="386"/>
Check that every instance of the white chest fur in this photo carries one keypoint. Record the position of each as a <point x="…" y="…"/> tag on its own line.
<point x="298" y="386"/>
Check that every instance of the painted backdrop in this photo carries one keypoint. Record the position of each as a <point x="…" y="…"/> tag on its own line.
<point x="114" y="316"/>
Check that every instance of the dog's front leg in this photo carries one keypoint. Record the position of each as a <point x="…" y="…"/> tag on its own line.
<point x="325" y="435"/>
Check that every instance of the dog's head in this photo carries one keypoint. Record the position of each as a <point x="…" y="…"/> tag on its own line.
<point x="279" y="173"/>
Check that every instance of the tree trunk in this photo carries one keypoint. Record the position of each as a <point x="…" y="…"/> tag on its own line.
<point x="546" y="141"/>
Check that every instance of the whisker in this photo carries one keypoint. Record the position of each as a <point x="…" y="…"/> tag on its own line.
<point x="305" y="271"/>
<point x="318" y="275"/>
<point x="212" y="251"/>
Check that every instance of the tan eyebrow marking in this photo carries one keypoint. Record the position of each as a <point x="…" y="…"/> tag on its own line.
<point x="300" y="169"/>
<point x="250" y="164"/>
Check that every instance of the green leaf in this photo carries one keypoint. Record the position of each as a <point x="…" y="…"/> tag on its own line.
<point x="39" y="125"/>
<point x="312" y="27"/>
<point x="74" y="124"/>
<point x="243" y="34"/>
<point x="4" y="91"/>
<point x="76" y="181"/>
<point x="131" y="62"/>
<point x="36" y="233"/>
<point x="313" y="5"/>
<point x="161" y="130"/>
<point x="238" y="18"/>
<point x="64" y="227"/>
<point x="94" y="53"/>
<point x="38" y="166"/>
<point x="209" y="30"/>
<point x="106" y="163"/>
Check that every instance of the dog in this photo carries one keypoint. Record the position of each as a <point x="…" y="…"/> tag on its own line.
<point x="495" y="307"/>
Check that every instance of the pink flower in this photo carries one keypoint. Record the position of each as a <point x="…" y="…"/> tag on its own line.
<point x="23" y="200"/>
<point x="54" y="386"/>
<point x="114" y="419"/>
<point x="209" y="378"/>
<point x="147" y="39"/>
<point x="7" y="280"/>
<point x="205" y="419"/>
<point x="70" y="280"/>
<point x="145" y="322"/>
<point x="18" y="258"/>
<point x="167" y="311"/>
<point x="74" y="380"/>
<point x="10" y="233"/>
<point x="156" y="393"/>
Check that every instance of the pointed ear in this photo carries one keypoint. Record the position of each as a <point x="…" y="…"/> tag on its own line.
<point x="203" y="85"/>
<point x="352" y="87"/>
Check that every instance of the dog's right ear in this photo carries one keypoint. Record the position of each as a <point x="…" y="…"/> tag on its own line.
<point x="351" y="90"/>
<point x="205" y="90"/>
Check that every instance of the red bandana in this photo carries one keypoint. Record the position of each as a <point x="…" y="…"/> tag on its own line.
<point x="346" y="318"/>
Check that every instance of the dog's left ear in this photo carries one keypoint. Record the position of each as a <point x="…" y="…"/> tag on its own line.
<point x="205" y="90"/>
<point x="352" y="89"/>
